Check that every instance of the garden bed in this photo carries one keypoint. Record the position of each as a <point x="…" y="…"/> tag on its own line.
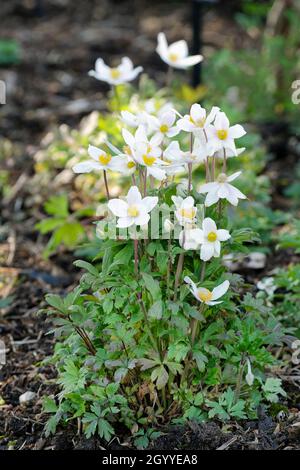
<point x="58" y="95"/>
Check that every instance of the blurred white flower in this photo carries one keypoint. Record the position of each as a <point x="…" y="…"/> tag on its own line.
<point x="135" y="120"/>
<point x="197" y="120"/>
<point x="125" y="72"/>
<point x="267" y="284"/>
<point x="186" y="240"/>
<point x="134" y="210"/>
<point x="205" y="295"/>
<point x="100" y="160"/>
<point x="176" y="55"/>
<point x="222" y="189"/>
<point x="163" y="125"/>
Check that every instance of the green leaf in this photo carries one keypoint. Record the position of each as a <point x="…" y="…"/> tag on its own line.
<point x="161" y="376"/>
<point x="87" y="266"/>
<point x="105" y="429"/>
<point x="57" y="205"/>
<point x="201" y="360"/>
<point x="48" y="225"/>
<point x="272" y="389"/>
<point x="56" y="302"/>
<point x="152" y="286"/>
<point x="49" y="405"/>
<point x="156" y="310"/>
<point x="125" y="255"/>
<point x="91" y="428"/>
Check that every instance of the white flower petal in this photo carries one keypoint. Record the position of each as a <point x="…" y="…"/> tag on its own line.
<point x="185" y="124"/>
<point x="128" y="137"/>
<point x="156" y="172"/>
<point x="223" y="235"/>
<point x="180" y="48"/>
<point x="134" y="196"/>
<point x="237" y="192"/>
<point x="233" y="176"/>
<point x="150" y="202"/>
<point x="118" y="207"/>
<point x="211" y="198"/>
<point x="221" y="121"/>
<point x="208" y="187"/>
<point x="95" y="152"/>
<point x="125" y="222"/>
<point x="212" y="114"/>
<point x="87" y="166"/>
<point x="209" y="225"/>
<point x="162" y="47"/>
<point x="220" y="290"/>
<point x="190" y="61"/>
<point x="237" y="131"/>
<point x="217" y="248"/>
<point x="207" y="251"/>
<point x="142" y="219"/>
<point x="197" y="112"/>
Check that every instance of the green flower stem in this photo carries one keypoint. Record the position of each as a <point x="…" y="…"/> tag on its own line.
<point x="136" y="257"/>
<point x="178" y="274"/>
<point x="239" y="379"/>
<point x="169" y="265"/>
<point x="106" y="184"/>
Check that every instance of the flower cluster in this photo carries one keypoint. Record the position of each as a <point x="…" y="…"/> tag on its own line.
<point x="151" y="153"/>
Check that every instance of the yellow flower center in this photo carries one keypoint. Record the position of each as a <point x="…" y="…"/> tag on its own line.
<point x="130" y="165"/>
<point x="115" y="73"/>
<point x="164" y="128"/>
<point x="173" y="57"/>
<point x="127" y="149"/>
<point x="212" y="236"/>
<point x="105" y="158"/>
<point x="132" y="211"/>
<point x="188" y="213"/>
<point x="148" y="160"/>
<point x="222" y="178"/>
<point x="199" y="122"/>
<point x="205" y="295"/>
<point x="222" y="134"/>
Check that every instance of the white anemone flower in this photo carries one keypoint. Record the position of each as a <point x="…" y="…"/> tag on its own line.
<point x="134" y="210"/>
<point x="222" y="189"/>
<point x="140" y="137"/>
<point x="148" y="155"/>
<point x="185" y="210"/>
<point x="125" y="72"/>
<point x="100" y="160"/>
<point x="163" y="125"/>
<point x="221" y="135"/>
<point x="174" y="154"/>
<point x="176" y="55"/>
<point x="197" y="120"/>
<point x="135" y="120"/>
<point x="205" y="295"/>
<point x="209" y="238"/>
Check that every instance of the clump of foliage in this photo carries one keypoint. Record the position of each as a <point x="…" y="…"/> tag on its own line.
<point x="158" y="330"/>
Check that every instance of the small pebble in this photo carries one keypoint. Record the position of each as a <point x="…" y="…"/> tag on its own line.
<point x="26" y="397"/>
